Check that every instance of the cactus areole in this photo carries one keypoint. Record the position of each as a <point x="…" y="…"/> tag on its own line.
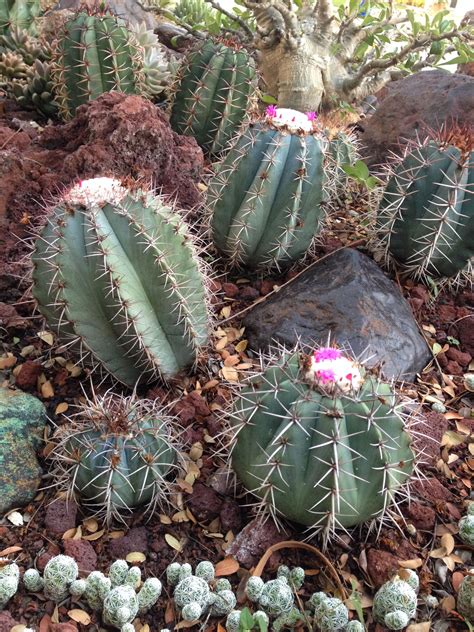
<point x="117" y="274"/>
<point x="265" y="199"/>
<point x="319" y="442"/>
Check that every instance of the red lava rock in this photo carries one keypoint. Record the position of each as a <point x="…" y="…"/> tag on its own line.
<point x="9" y="317"/>
<point x="461" y="358"/>
<point x="43" y="559"/>
<point x="199" y="403"/>
<point x="83" y="552"/>
<point x="191" y="407"/>
<point x="446" y="313"/>
<point x="127" y="136"/>
<point x="431" y="490"/>
<point x="265" y="287"/>
<point x="381" y="566"/>
<point x="204" y="503"/>
<point x="13" y="138"/>
<point x="230" y="289"/>
<point x="428" y="435"/>
<point x="62" y="627"/>
<point x="136" y="540"/>
<point x="453" y="368"/>
<point x="252" y="542"/>
<point x="465" y="328"/>
<point x="421" y="516"/>
<point x="248" y="293"/>
<point x="60" y="516"/>
<point x="6" y="622"/>
<point x="420" y="292"/>
<point x="442" y="359"/>
<point x="28" y="374"/>
<point x="230" y="516"/>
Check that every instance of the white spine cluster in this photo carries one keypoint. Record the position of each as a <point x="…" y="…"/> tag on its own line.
<point x="466" y="526"/>
<point x="9" y="579"/>
<point x="395" y="602"/>
<point x="120" y="606"/>
<point x="465" y="602"/>
<point x="32" y="580"/>
<point x="58" y="575"/>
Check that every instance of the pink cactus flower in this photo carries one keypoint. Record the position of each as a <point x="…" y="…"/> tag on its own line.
<point x="331" y="370"/>
<point x="271" y="110"/>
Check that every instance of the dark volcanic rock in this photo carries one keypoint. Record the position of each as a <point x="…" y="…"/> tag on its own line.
<point x="424" y="100"/>
<point x="349" y="297"/>
<point x="135" y="540"/>
<point x="60" y="516"/>
<point x="84" y="554"/>
<point x="252" y="542"/>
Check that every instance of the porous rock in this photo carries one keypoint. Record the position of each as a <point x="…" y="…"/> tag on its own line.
<point x="413" y="105"/>
<point x="127" y="136"/>
<point x="252" y="542"/>
<point x="84" y="554"/>
<point x="136" y="540"/>
<point x="22" y="422"/>
<point x="60" y="516"/>
<point x="349" y="298"/>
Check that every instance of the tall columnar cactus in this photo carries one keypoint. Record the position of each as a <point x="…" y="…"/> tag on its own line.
<point x="117" y="274"/>
<point x="265" y="198"/>
<point x="320" y="442"/>
<point x="425" y="220"/>
<point x="116" y="454"/>
<point x="214" y="89"/>
<point x="95" y="53"/>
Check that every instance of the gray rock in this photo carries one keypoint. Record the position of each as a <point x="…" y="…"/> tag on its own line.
<point x="350" y="298"/>
<point x="412" y="105"/>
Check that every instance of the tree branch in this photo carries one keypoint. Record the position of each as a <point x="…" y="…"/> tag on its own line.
<point x="324" y="12"/>
<point x="289" y="18"/>
<point x="235" y="18"/>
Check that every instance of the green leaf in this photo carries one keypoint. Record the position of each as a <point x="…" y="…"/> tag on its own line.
<point x="246" y="620"/>
<point x="267" y="98"/>
<point x="261" y="622"/>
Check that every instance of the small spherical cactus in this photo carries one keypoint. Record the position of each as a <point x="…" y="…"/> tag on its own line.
<point x="394" y="596"/>
<point x="223" y="584"/>
<point x="9" y="579"/>
<point x="354" y="626"/>
<point x="118" y="572"/>
<point x="232" y="623"/>
<point x="465" y="602"/>
<point x="411" y="578"/>
<point x="59" y="573"/>
<point x="296" y="578"/>
<point x="78" y="587"/>
<point x="120" y="606"/>
<point x="438" y="407"/>
<point x="172" y="573"/>
<point x="205" y="570"/>
<point x="185" y="571"/>
<point x="396" y="620"/>
<point x="133" y="577"/>
<point x="431" y="601"/>
<point x="127" y="627"/>
<point x="276" y="597"/>
<point x="254" y="588"/>
<point x="192" y="590"/>
<point x="331" y="614"/>
<point x="149" y="594"/>
<point x="191" y="611"/>
<point x="466" y="526"/>
<point x="222" y="603"/>
<point x="316" y="600"/>
<point x="32" y="580"/>
<point x="97" y="588"/>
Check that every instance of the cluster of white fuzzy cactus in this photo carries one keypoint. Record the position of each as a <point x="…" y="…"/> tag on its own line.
<point x="9" y="578"/>
<point x="115" y="595"/>
<point x="193" y="594"/>
<point x="465" y="602"/>
<point x="395" y="602"/>
<point x="466" y="526"/>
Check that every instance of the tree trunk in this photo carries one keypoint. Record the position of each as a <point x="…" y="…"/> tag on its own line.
<point x="296" y="75"/>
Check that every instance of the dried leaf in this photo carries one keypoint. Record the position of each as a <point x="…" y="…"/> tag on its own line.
<point x="241" y="346"/>
<point x="164" y="519"/>
<point x="81" y="616"/>
<point x="21" y="627"/>
<point x="196" y="451"/>
<point x="419" y="627"/>
<point x="145" y="628"/>
<point x="91" y="525"/>
<point x="15" y="518"/>
<point x="227" y="566"/>
<point x="231" y="360"/>
<point x="462" y="428"/>
<point x="180" y="516"/>
<point x="78" y="534"/>
<point x="47" y="390"/>
<point x="230" y="374"/>
<point x="48" y="338"/>
<point x="456" y="580"/>
<point x="414" y="563"/>
<point x="221" y="344"/>
<point x="185" y="624"/>
<point x="429" y="328"/>
<point x="113" y="535"/>
<point x="448" y="604"/>
<point x="136" y="556"/>
<point x="169" y="612"/>
<point x="449" y="563"/>
<point x="61" y="408"/>
<point x="173" y="542"/>
<point x="55" y="615"/>
<point x="451" y="439"/>
<point x="447" y="541"/>
<point x="470" y="447"/>
<point x="210" y="384"/>
<point x="94" y="536"/>
<point x="10" y="549"/>
<point x="225" y="311"/>
<point x="439" y="553"/>
<point x="45" y="623"/>
<point x="7" y="362"/>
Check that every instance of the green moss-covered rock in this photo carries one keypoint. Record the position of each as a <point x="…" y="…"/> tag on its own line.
<point x="22" y="422"/>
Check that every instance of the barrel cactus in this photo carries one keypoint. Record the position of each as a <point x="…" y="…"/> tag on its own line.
<point x="211" y="98"/>
<point x="95" y="53"/>
<point x="319" y="441"/>
<point x="117" y="274"/>
<point x="117" y="453"/>
<point x="21" y="14"/>
<point x="265" y="198"/>
<point x="425" y="220"/>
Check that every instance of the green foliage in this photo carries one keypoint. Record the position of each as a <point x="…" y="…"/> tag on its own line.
<point x="342" y="454"/>
<point x="94" y="54"/>
<point x="214" y="91"/>
<point x="117" y="274"/>
<point x="265" y="198"/>
<point x="426" y="217"/>
<point x="201" y="16"/>
<point x="360" y="173"/>
<point x="116" y="454"/>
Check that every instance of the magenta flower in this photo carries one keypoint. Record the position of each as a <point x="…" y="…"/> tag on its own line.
<point x="326" y="375"/>
<point x="271" y="110"/>
<point x="311" y="116"/>
<point x="326" y="353"/>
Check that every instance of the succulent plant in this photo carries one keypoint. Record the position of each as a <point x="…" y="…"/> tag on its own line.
<point x="354" y="626"/>
<point x="466" y="526"/>
<point x="117" y="454"/>
<point x="319" y="441"/>
<point x="21" y="14"/>
<point x="9" y="579"/>
<point x="342" y="150"/>
<point x="395" y="602"/>
<point x="32" y="580"/>
<point x="156" y="68"/>
<point x="265" y="197"/>
<point x="465" y="601"/>
<point x="59" y="573"/>
<point x="38" y="91"/>
<point x="120" y="606"/>
<point x="95" y="53"/>
<point x="274" y="597"/>
<point x="213" y="92"/>
<point x="22" y="43"/>
<point x="331" y="614"/>
<point x="117" y="274"/>
<point x="425" y="221"/>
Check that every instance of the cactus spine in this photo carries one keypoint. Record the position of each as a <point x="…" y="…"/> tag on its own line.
<point x="117" y="273"/>
<point x="265" y="199"/>
<point x="212" y="94"/>
<point x="426" y="217"/>
<point x="319" y="442"/>
<point x="117" y="454"/>
<point x="96" y="53"/>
